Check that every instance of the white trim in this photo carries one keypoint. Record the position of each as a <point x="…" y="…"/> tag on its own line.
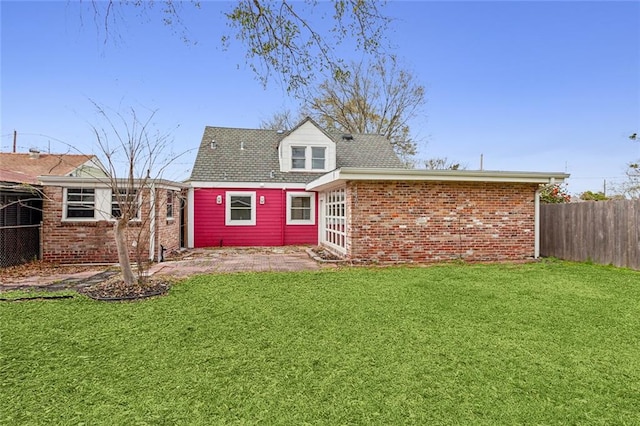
<point x="312" y="197"/>
<point x="65" y="204"/>
<point x="248" y="185"/>
<point x="190" y="218"/>
<point x="105" y="182"/>
<point x="340" y="176"/>
<point x="333" y="219"/>
<point x="227" y="208"/>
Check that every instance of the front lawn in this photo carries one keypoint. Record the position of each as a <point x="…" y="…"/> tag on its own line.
<point x="546" y="343"/>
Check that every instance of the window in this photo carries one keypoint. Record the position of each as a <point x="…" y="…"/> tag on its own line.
<point x="169" y="204"/>
<point x="128" y="201"/>
<point x="298" y="157"/>
<point x="317" y="157"/>
<point x="241" y="208"/>
<point x="81" y="203"/>
<point x="301" y="208"/>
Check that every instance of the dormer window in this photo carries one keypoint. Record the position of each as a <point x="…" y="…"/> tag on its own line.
<point x="307" y="149"/>
<point x="298" y="157"/>
<point x="308" y="157"/>
<point x="318" y="157"/>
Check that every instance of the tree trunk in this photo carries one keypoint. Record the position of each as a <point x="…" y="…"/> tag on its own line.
<point x="123" y="252"/>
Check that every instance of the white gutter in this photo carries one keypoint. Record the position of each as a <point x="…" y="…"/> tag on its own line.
<point x="236" y="185"/>
<point x="106" y="182"/>
<point x="340" y="176"/>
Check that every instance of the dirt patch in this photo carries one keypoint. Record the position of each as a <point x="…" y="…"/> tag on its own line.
<point x="42" y="269"/>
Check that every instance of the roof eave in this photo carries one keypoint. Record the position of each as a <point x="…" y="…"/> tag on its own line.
<point x="342" y="175"/>
<point x="106" y="182"/>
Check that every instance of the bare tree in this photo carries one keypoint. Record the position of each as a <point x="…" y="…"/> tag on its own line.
<point x="442" y="163"/>
<point x="284" y="120"/>
<point x="132" y="150"/>
<point x="379" y="98"/>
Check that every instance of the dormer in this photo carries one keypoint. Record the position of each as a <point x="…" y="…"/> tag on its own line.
<point x="307" y="148"/>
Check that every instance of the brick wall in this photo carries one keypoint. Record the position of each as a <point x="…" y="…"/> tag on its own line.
<point x="167" y="229"/>
<point x="93" y="241"/>
<point x="440" y="221"/>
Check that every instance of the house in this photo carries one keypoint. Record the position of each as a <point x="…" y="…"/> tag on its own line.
<point x="350" y="194"/>
<point x="77" y="206"/>
<point x="21" y="199"/>
<point x="249" y="185"/>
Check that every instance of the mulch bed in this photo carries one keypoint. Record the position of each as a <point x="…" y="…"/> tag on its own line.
<point x="114" y="289"/>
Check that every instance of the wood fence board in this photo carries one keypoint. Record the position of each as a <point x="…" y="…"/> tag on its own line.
<point x="606" y="232"/>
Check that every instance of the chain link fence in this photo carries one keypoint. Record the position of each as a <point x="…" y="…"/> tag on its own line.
<point x="19" y="244"/>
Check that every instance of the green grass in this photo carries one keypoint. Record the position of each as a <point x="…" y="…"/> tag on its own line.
<point x="547" y="343"/>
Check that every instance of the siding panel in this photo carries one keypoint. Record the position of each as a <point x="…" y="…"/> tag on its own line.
<point x="270" y="228"/>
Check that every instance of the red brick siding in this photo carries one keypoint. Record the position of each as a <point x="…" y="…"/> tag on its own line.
<point x="167" y="230"/>
<point x="439" y="221"/>
<point x="93" y="241"/>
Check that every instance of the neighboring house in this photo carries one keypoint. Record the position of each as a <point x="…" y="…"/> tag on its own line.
<point x="76" y="208"/>
<point x="350" y="194"/>
<point x="79" y="214"/>
<point x="21" y="198"/>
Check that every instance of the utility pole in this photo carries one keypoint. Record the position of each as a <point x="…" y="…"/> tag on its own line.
<point x="15" y="139"/>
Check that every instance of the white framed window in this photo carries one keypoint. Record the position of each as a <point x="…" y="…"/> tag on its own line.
<point x="298" y="157"/>
<point x="301" y="208"/>
<point x="169" y="204"/>
<point x="127" y="200"/>
<point x="80" y="203"/>
<point x="308" y="158"/>
<point x="318" y="157"/>
<point x="240" y="208"/>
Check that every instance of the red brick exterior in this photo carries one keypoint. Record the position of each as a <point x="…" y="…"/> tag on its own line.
<point x="440" y="221"/>
<point x="93" y="241"/>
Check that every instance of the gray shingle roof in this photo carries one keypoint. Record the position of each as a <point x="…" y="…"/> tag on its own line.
<point x="259" y="156"/>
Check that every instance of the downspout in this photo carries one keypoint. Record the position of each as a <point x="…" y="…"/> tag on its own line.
<point x="152" y="225"/>
<point x="536" y="224"/>
<point x="190" y="215"/>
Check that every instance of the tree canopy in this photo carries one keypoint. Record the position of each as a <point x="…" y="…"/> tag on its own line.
<point x="279" y="38"/>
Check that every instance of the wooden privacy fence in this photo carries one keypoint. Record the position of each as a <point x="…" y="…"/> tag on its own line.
<point x="606" y="232"/>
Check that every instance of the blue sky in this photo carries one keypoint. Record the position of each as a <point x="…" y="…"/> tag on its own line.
<point x="538" y="86"/>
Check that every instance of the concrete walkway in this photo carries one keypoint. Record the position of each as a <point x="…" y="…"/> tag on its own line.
<point x="191" y="262"/>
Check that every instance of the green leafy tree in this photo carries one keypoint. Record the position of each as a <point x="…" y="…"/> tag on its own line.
<point x="554" y="194"/>
<point x="593" y="196"/>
